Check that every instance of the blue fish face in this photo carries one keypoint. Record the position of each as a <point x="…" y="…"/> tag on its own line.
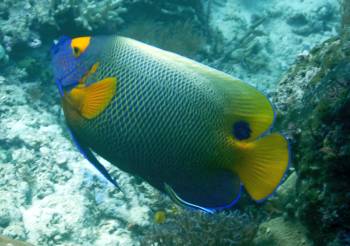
<point x="69" y="67"/>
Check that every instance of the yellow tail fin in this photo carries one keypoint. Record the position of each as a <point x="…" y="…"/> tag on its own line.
<point x="261" y="164"/>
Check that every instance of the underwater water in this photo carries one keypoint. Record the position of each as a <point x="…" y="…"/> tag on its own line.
<point x="296" y="53"/>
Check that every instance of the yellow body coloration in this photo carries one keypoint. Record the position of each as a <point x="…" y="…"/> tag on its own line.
<point x="184" y="127"/>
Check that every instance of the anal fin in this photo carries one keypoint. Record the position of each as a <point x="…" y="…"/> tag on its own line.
<point x="211" y="191"/>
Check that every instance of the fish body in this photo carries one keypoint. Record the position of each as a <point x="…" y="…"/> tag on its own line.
<point x="185" y="128"/>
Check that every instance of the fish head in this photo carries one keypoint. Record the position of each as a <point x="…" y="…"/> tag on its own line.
<point x="72" y="59"/>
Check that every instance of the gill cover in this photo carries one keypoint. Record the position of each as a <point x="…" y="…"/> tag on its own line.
<point x="72" y="59"/>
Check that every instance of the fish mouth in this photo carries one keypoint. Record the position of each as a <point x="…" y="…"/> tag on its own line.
<point x="58" y="44"/>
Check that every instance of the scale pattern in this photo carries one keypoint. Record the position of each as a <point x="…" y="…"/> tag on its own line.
<point x="164" y="118"/>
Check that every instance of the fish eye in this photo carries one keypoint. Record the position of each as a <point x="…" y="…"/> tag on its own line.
<point x="79" y="45"/>
<point x="76" y="51"/>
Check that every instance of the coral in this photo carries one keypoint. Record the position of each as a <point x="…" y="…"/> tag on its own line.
<point x="278" y="231"/>
<point x="16" y="231"/>
<point x="167" y="10"/>
<point x="91" y="15"/>
<point x="258" y="41"/>
<point x="3" y="56"/>
<point x="313" y="99"/>
<point x="343" y="238"/>
<point x="10" y="242"/>
<point x="345" y="24"/>
<point x="186" y="227"/>
<point x="49" y="195"/>
<point x="15" y="23"/>
<point x="312" y="22"/>
<point x="281" y="204"/>
<point x="25" y="23"/>
<point x="313" y="102"/>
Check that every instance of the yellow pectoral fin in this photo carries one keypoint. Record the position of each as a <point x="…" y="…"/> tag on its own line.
<point x="90" y="101"/>
<point x="98" y="96"/>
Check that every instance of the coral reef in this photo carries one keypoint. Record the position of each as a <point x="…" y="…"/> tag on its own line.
<point x="186" y="227"/>
<point x="278" y="231"/>
<point x="27" y="22"/>
<point x="4" y="241"/>
<point x="313" y="101"/>
<point x="3" y="56"/>
<point x="48" y="194"/>
<point x="259" y="40"/>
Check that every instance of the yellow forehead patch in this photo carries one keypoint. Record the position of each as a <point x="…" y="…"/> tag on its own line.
<point x="79" y="45"/>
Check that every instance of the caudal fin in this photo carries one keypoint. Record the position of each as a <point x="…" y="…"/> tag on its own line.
<point x="261" y="164"/>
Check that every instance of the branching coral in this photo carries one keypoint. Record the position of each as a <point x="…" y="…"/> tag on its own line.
<point x="25" y="21"/>
<point x="29" y="24"/>
<point x="90" y="14"/>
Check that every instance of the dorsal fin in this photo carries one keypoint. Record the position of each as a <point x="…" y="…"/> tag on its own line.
<point x="245" y="108"/>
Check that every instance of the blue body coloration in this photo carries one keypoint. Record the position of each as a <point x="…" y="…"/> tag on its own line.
<point x="68" y="69"/>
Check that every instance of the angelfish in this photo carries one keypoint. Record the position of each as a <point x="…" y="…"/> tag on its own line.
<point x="189" y="130"/>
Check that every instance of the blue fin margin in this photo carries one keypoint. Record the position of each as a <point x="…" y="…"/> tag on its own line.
<point x="179" y="201"/>
<point x="93" y="160"/>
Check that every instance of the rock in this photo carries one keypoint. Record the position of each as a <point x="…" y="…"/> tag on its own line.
<point x="5" y="241"/>
<point x="313" y="102"/>
<point x="5" y="217"/>
<point x="298" y="19"/>
<point x="15" y="231"/>
<point x="9" y="212"/>
<point x="3" y="56"/>
<point x="287" y="190"/>
<point x="277" y="231"/>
